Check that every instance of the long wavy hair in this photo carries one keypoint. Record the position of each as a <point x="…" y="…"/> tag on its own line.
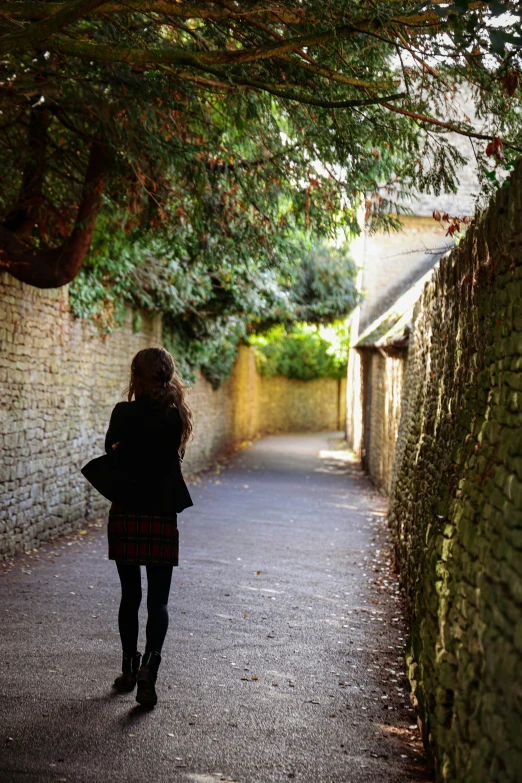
<point x="153" y="374"/>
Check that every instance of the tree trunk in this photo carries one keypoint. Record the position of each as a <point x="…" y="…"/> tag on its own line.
<point x="54" y="267"/>
<point x="22" y="219"/>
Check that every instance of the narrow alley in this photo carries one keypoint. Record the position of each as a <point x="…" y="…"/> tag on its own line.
<point x="284" y="658"/>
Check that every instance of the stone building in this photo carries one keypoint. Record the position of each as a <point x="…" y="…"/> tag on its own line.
<point x="393" y="270"/>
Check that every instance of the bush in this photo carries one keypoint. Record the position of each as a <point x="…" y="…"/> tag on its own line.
<point x="301" y="354"/>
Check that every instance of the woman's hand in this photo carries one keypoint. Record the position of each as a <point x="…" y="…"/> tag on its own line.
<point x="115" y="445"/>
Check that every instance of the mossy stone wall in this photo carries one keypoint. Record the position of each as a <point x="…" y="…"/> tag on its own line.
<point x="456" y="501"/>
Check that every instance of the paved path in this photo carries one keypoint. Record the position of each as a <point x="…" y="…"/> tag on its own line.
<point x="283" y="661"/>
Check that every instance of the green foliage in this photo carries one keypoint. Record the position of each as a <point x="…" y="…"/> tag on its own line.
<point x="209" y="128"/>
<point x="324" y="283"/>
<point x="185" y="153"/>
<point x="209" y="307"/>
<point x="302" y="353"/>
<point x="227" y="153"/>
<point x="210" y="347"/>
<point x="471" y="25"/>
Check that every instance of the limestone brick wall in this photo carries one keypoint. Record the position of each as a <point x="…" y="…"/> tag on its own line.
<point x="456" y="502"/>
<point x="287" y="405"/>
<point x="372" y="426"/>
<point x="354" y="391"/>
<point x="58" y="384"/>
<point x="387" y="376"/>
<point x="226" y="416"/>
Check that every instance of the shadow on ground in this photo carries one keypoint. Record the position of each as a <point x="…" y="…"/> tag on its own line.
<point x="284" y="658"/>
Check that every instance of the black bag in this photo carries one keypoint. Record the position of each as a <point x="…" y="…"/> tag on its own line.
<point x="109" y="477"/>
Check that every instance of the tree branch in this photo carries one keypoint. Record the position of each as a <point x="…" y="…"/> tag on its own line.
<point x="293" y="95"/>
<point x="172" y="56"/>
<point x="33" y="11"/>
<point x="52" y="268"/>
<point x="40" y="10"/>
<point x="448" y="125"/>
<point x="33" y="34"/>
<point x="335" y="76"/>
<point x="22" y="218"/>
<point x="190" y="77"/>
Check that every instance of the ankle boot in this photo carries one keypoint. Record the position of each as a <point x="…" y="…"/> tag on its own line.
<point x="129" y="669"/>
<point x="146" y="679"/>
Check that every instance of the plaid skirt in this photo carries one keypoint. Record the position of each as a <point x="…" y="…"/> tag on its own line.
<point x="140" y="538"/>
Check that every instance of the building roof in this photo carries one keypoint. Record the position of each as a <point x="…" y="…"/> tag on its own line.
<point x="418" y="267"/>
<point x="390" y="330"/>
<point x="384" y="293"/>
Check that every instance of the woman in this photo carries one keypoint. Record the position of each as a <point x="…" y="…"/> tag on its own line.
<point x="150" y="432"/>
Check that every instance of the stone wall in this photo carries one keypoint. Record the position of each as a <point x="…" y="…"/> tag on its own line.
<point x="354" y="389"/>
<point x="287" y="405"/>
<point x="247" y="405"/>
<point x="373" y="410"/>
<point x="223" y="417"/>
<point x="387" y="380"/>
<point x="456" y="502"/>
<point x="58" y="384"/>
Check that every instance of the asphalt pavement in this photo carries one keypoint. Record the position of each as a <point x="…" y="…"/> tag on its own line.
<point x="284" y="660"/>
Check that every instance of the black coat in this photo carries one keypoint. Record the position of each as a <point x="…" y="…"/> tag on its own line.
<point x="146" y="460"/>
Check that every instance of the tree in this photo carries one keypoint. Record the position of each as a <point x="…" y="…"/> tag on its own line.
<point x="212" y="302"/>
<point x="117" y="109"/>
<point x="324" y="288"/>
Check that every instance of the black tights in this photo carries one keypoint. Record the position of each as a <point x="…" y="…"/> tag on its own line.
<point x="158" y="588"/>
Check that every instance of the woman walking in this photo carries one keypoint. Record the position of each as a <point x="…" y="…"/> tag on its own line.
<point x="150" y="433"/>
